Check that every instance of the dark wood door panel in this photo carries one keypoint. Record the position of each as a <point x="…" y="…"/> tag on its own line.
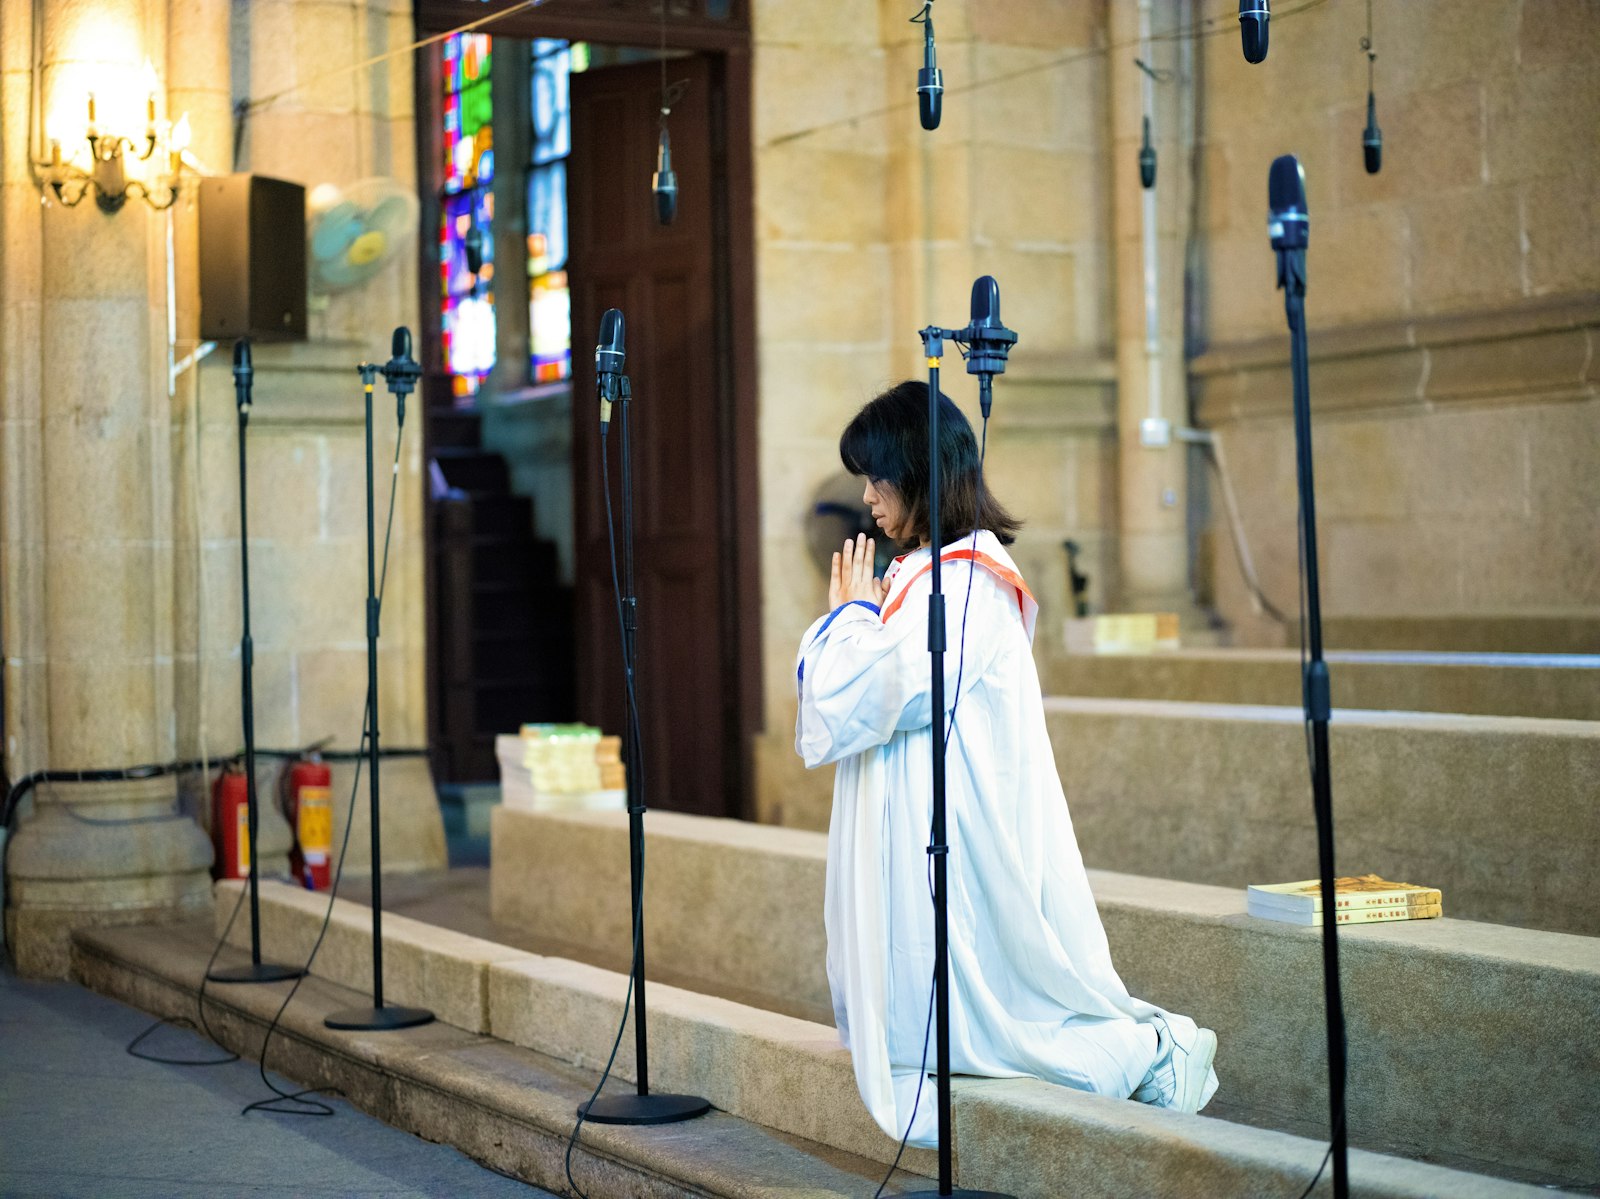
<point x="662" y="279"/>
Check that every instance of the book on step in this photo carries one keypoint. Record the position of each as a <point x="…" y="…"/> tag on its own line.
<point x="1358" y="899"/>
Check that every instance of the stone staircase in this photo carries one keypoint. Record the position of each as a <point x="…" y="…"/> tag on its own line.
<point x="1474" y="1048"/>
<point x="521" y="1037"/>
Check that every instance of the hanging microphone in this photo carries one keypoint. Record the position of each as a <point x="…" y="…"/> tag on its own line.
<point x="664" y="183"/>
<point x="930" y="79"/>
<point x="243" y="373"/>
<point x="609" y="357"/>
<point x="988" y="341"/>
<point x="474" y="248"/>
<point x="401" y="372"/>
<point x="1372" y="138"/>
<point x="1253" y="18"/>
<point x="1147" y="160"/>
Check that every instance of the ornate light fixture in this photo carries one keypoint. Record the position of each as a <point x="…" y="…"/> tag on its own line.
<point x="107" y="178"/>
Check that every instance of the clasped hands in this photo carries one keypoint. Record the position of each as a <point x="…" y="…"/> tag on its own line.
<point x="852" y="579"/>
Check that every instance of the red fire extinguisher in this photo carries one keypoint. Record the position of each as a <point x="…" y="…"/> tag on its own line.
<point x="307" y="797"/>
<point x="230" y="823"/>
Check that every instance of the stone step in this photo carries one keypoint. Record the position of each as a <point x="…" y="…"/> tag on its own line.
<point x="1549" y="686"/>
<point x="1470" y="1043"/>
<point x="505" y="1106"/>
<point x="1523" y="632"/>
<point x="788" y="1075"/>
<point x="1496" y="811"/>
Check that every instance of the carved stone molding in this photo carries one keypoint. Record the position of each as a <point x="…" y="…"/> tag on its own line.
<point x="1536" y="353"/>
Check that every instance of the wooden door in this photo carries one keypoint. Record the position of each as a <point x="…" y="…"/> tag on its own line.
<point x="664" y="281"/>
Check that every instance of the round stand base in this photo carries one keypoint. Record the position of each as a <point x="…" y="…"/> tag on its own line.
<point x="644" y="1109"/>
<point x="377" y="1019"/>
<point x="957" y="1193"/>
<point x="255" y="972"/>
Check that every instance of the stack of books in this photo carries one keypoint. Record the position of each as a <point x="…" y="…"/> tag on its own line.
<point x="561" y="767"/>
<point x="1121" y="633"/>
<point x="1364" y="899"/>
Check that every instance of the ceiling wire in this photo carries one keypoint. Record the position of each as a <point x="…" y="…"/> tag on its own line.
<point x="1208" y="27"/>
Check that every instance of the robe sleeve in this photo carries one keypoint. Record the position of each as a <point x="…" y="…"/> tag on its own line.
<point x="861" y="679"/>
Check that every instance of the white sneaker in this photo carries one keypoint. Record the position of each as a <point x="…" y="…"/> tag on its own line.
<point x="1180" y="1076"/>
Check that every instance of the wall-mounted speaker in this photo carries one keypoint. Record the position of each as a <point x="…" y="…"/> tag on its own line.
<point x="252" y="259"/>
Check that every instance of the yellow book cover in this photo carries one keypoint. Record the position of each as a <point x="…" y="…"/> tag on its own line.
<point x="1427" y="911"/>
<point x="1352" y="893"/>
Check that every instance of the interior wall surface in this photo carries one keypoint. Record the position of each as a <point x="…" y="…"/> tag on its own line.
<point x="1453" y="301"/>
<point x="120" y="552"/>
<point x="868" y="228"/>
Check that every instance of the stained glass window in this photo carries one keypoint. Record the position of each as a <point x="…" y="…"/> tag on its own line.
<point x="467" y="213"/>
<point x="549" y="297"/>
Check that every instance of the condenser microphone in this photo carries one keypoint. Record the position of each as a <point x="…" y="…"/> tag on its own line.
<point x="1372" y="138"/>
<point x="1253" y="18"/>
<point x="401" y="372"/>
<point x="243" y="374"/>
<point x="1289" y="225"/>
<point x="930" y="79"/>
<point x="988" y="341"/>
<point x="1288" y="222"/>
<point x="663" y="186"/>
<point x="609" y="358"/>
<point x="1147" y="160"/>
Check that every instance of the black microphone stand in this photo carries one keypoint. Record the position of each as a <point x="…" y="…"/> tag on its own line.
<point x="257" y="971"/>
<point x="1317" y="702"/>
<point x="642" y="1107"/>
<point x="933" y="340"/>
<point x="400" y="374"/>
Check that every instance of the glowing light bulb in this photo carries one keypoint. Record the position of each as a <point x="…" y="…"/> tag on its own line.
<point x="181" y="135"/>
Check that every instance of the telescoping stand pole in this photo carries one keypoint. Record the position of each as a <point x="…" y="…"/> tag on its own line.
<point x="933" y="340"/>
<point x="642" y="1107"/>
<point x="257" y="971"/>
<point x="1290" y="229"/>
<point x="401" y="374"/>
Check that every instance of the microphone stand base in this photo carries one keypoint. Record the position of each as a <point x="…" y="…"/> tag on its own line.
<point x="957" y="1193"/>
<point x="644" y="1109"/>
<point x="255" y="972"/>
<point x="377" y="1019"/>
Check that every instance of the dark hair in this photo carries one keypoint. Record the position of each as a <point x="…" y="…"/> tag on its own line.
<point x="888" y="442"/>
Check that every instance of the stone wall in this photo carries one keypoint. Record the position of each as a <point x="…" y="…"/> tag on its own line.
<point x="1452" y="307"/>
<point x="868" y="229"/>
<point x="120" y="548"/>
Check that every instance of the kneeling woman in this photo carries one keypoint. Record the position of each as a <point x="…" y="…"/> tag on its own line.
<point x="1032" y="987"/>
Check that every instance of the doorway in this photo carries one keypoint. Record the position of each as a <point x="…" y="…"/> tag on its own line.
<point x="686" y="291"/>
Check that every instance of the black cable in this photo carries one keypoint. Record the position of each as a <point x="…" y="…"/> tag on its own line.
<point x="312" y="1107"/>
<point x="204" y="1027"/>
<point x="636" y="740"/>
<point x="961" y="667"/>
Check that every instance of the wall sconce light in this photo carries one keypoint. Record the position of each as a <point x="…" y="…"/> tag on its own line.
<point x="110" y="152"/>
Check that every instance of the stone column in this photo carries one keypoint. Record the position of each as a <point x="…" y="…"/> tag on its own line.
<point x="105" y="852"/>
<point x="1151" y="380"/>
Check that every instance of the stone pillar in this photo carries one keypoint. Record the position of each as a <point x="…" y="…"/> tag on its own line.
<point x="98" y="467"/>
<point x="1151" y="379"/>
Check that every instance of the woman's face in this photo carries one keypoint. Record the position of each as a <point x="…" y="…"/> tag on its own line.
<point x="888" y="510"/>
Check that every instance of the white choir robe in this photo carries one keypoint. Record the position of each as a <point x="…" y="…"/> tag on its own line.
<point x="1032" y="988"/>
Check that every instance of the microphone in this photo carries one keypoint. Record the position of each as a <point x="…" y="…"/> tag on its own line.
<point x="609" y="357"/>
<point x="930" y="79"/>
<point x="1289" y="224"/>
<point x="663" y="186"/>
<point x="1253" y="18"/>
<point x="401" y="372"/>
<point x="1372" y="138"/>
<point x="1147" y="160"/>
<point x="243" y="374"/>
<point x="988" y="341"/>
